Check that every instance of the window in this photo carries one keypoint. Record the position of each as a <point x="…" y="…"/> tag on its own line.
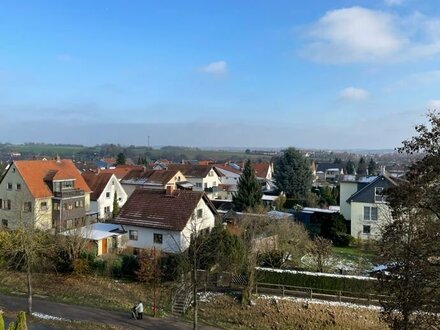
<point x="43" y="205"/>
<point x="157" y="238"/>
<point x="107" y="194"/>
<point x="69" y="224"/>
<point x="199" y="213"/>
<point x="56" y="206"/>
<point x="378" y="194"/>
<point x="18" y="186"/>
<point x="68" y="206"/>
<point x="133" y="235"/>
<point x="9" y="186"/>
<point x="211" y="173"/>
<point x="8" y="204"/>
<point x="13" y="170"/>
<point x="4" y="223"/>
<point x="113" y="182"/>
<point x="366" y="230"/>
<point x="107" y="209"/>
<point x="27" y="206"/>
<point x="76" y="204"/>
<point x="198" y="184"/>
<point x="1" y="203"/>
<point x="370" y="213"/>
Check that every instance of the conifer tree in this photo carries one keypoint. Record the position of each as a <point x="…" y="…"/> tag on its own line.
<point x="249" y="192"/>
<point x="362" y="167"/>
<point x="349" y="168"/>
<point x="115" y="205"/>
<point x="372" y="168"/>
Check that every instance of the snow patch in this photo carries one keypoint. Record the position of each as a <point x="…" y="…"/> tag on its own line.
<point x="48" y="317"/>
<point x="365" y="278"/>
<point x="320" y="302"/>
<point x="208" y="296"/>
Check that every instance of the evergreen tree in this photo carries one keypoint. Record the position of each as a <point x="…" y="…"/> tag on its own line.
<point x="115" y="205"/>
<point x="21" y="321"/>
<point x="372" y="168"/>
<point x="249" y="192"/>
<point x="293" y="174"/>
<point x="2" y="322"/>
<point x="362" y="167"/>
<point x="120" y="160"/>
<point x="349" y="167"/>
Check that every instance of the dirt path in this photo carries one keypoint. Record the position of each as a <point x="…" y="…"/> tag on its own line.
<point x="80" y="313"/>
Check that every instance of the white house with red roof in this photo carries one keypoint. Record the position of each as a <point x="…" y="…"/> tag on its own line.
<point x="51" y="193"/>
<point x="165" y="219"/>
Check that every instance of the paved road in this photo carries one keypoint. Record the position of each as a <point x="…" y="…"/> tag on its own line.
<point x="80" y="313"/>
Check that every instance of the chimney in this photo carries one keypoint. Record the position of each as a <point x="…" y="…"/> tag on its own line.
<point x="170" y="190"/>
<point x="58" y="159"/>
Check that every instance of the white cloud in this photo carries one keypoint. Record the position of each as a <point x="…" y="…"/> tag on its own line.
<point x="217" y="69"/>
<point x="357" y="34"/>
<point x="433" y="105"/>
<point x="354" y="94"/>
<point x="393" y="2"/>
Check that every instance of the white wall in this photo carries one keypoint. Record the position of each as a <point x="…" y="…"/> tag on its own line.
<point x="173" y="241"/>
<point x="347" y="190"/>
<point x="358" y="222"/>
<point x="113" y="185"/>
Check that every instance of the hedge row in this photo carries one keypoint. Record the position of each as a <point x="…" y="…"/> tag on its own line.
<point x="316" y="281"/>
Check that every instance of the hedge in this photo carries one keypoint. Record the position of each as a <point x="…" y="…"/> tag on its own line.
<point x="316" y="281"/>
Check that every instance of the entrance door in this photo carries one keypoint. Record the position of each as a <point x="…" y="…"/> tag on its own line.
<point x="104" y="246"/>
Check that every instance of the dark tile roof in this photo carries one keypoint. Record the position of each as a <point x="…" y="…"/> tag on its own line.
<point x="325" y="166"/>
<point x="194" y="171"/>
<point x="156" y="209"/>
<point x="96" y="182"/>
<point x="159" y="176"/>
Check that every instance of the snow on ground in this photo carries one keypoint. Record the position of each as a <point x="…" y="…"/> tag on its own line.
<point x="207" y="296"/>
<point x="365" y="278"/>
<point x="48" y="317"/>
<point x="319" y="302"/>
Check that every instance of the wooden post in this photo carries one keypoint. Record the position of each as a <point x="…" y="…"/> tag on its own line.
<point x="256" y="288"/>
<point x="282" y="288"/>
<point x="340" y="296"/>
<point x="311" y="293"/>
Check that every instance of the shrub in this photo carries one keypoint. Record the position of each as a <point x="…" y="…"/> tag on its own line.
<point x="316" y="281"/>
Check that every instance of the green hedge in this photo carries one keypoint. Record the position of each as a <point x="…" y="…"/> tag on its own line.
<point x="316" y="281"/>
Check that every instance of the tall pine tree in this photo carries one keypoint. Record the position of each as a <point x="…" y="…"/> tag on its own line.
<point x="249" y="192"/>
<point x="372" y="168"/>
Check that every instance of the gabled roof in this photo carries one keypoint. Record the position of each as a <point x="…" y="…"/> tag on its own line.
<point x="228" y="168"/>
<point x="97" y="182"/>
<point x="261" y="169"/>
<point x="122" y="170"/>
<point x="37" y="174"/>
<point x="372" y="182"/>
<point x="326" y="166"/>
<point x="157" y="176"/>
<point x="193" y="171"/>
<point x="156" y="209"/>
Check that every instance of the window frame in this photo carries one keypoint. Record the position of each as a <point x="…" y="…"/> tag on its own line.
<point x="366" y="232"/>
<point x="133" y="235"/>
<point x="157" y="238"/>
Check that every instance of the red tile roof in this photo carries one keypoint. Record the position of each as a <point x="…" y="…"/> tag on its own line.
<point x="97" y="182"/>
<point x="194" y="171"/>
<point x="159" y="176"/>
<point x="122" y="170"/>
<point x="37" y="173"/>
<point x="261" y="169"/>
<point x="156" y="209"/>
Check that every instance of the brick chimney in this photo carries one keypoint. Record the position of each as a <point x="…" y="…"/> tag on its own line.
<point x="170" y="190"/>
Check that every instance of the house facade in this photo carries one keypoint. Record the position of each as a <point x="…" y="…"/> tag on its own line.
<point x="165" y="219"/>
<point x="51" y="193"/>
<point x="104" y="187"/>
<point x="366" y="207"/>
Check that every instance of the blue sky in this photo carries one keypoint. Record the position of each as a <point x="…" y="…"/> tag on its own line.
<point x="316" y="74"/>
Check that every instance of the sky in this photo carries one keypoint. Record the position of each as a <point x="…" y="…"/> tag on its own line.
<point x="214" y="73"/>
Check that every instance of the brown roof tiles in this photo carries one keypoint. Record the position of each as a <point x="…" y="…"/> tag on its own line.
<point x="97" y="182"/>
<point x="156" y="209"/>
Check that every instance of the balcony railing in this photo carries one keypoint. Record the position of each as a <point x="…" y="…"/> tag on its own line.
<point x="68" y="193"/>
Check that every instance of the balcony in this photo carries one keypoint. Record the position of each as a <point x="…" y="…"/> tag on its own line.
<point x="67" y="193"/>
<point x="211" y="190"/>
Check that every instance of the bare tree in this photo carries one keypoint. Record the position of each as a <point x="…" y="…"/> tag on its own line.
<point x="320" y="251"/>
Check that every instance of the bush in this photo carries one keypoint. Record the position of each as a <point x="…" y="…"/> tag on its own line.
<point x="316" y="281"/>
<point x="129" y="265"/>
<point x="342" y="240"/>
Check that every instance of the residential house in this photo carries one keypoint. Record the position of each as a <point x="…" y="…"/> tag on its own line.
<point x="329" y="171"/>
<point x="104" y="187"/>
<point x="228" y="180"/>
<point x="121" y="171"/>
<point x="154" y="179"/>
<point x="364" y="204"/>
<point x="165" y="219"/>
<point x="52" y="193"/>
<point x="203" y="177"/>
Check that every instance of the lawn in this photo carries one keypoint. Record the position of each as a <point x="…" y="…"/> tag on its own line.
<point x="93" y="291"/>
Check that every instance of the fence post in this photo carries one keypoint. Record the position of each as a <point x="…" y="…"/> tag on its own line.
<point x="282" y="288"/>
<point x="256" y="288"/>
<point x="369" y="299"/>
<point x="311" y="293"/>
<point x="340" y="296"/>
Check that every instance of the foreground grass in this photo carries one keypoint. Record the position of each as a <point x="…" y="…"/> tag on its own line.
<point x="92" y="291"/>
<point x="225" y="311"/>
